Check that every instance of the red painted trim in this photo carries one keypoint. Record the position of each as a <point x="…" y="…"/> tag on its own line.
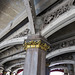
<point x="19" y="71"/>
<point x="57" y="70"/>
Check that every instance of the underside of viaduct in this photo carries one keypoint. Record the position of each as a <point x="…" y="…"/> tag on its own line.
<point x="23" y="20"/>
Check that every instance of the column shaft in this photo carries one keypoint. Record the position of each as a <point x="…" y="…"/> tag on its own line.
<point x="47" y="70"/>
<point x="4" y="72"/>
<point x="1" y="71"/>
<point x="65" y="73"/>
<point x="11" y="73"/>
<point x="35" y="62"/>
<point x="74" y="68"/>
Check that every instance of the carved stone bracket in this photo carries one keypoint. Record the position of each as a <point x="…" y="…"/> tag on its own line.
<point x="25" y="32"/>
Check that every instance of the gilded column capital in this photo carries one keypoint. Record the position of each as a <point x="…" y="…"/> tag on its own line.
<point x="36" y="44"/>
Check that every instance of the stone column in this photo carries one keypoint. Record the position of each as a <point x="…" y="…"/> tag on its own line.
<point x="11" y="73"/>
<point x="36" y="47"/>
<point x="4" y="72"/>
<point x="65" y="72"/>
<point x="70" y="68"/>
<point x="74" y="62"/>
<point x="47" y="70"/>
<point x="74" y="67"/>
<point x="1" y="71"/>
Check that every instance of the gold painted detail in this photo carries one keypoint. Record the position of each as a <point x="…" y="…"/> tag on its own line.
<point x="36" y="44"/>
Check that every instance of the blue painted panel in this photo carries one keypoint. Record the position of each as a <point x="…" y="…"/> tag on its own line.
<point x="41" y="5"/>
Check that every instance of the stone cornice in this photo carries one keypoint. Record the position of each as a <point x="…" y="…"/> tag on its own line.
<point x="57" y="11"/>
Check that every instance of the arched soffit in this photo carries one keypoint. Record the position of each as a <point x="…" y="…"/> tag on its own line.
<point x="62" y="21"/>
<point x="60" y="51"/>
<point x="12" y="42"/>
<point x="61" y="62"/>
<point x="1" y="68"/>
<point x="18" y="69"/>
<point x="59" y="67"/>
<point x="14" y="65"/>
<point x="12" y="58"/>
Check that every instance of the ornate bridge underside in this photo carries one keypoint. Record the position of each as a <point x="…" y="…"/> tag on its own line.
<point x="54" y="20"/>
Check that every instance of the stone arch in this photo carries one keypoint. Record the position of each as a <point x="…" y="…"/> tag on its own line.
<point x="60" y="51"/>
<point x="62" y="62"/>
<point x="12" y="58"/>
<point x="9" y="68"/>
<point x="12" y="42"/>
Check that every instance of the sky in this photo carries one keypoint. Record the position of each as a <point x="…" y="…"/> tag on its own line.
<point x="56" y="73"/>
